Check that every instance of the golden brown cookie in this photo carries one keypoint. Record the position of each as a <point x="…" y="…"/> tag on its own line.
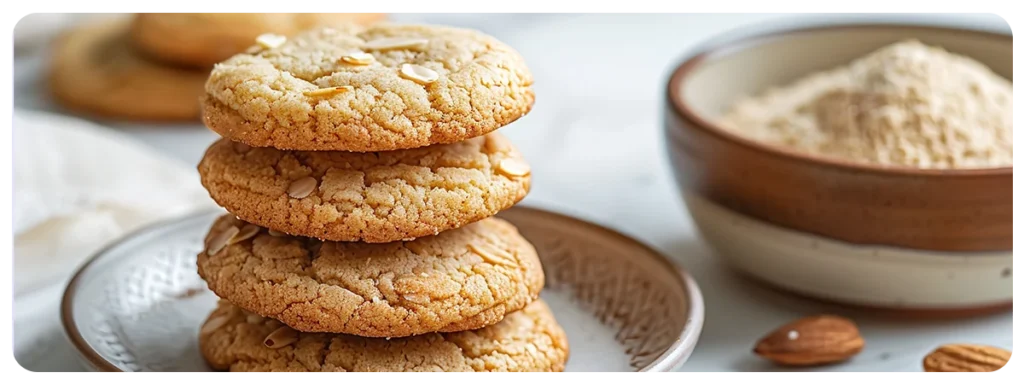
<point x="528" y="340"/>
<point x="461" y="279"/>
<point x="383" y="88"/>
<point x="204" y="39"/>
<point x="94" y="70"/>
<point x="374" y="197"/>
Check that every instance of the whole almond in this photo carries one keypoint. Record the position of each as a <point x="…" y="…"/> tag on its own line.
<point x="815" y="340"/>
<point x="966" y="358"/>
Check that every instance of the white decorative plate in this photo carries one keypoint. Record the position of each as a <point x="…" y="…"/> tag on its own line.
<point x="138" y="304"/>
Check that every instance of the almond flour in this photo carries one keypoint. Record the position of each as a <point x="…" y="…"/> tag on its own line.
<point x="907" y="104"/>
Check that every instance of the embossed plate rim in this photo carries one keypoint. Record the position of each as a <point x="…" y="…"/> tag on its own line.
<point x="676" y="354"/>
<point x="672" y="358"/>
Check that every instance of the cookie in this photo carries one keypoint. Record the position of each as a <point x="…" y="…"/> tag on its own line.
<point x="383" y="88"/>
<point x="95" y="71"/>
<point x="203" y="39"/>
<point x="461" y="279"/>
<point x="528" y="340"/>
<point x="374" y="197"/>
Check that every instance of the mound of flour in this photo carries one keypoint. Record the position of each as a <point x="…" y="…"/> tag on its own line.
<point x="907" y="104"/>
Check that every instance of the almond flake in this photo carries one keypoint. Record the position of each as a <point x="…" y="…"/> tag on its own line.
<point x="270" y="40"/>
<point x="395" y="43"/>
<point x="492" y="254"/>
<point x="420" y="74"/>
<point x="248" y="231"/>
<point x="513" y="168"/>
<point x="281" y="337"/>
<point x="358" y="58"/>
<point x="217" y="243"/>
<point x="302" y="187"/>
<point x="329" y="91"/>
<point x="213" y="325"/>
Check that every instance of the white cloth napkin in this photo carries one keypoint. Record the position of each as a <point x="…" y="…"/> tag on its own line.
<point x="78" y="186"/>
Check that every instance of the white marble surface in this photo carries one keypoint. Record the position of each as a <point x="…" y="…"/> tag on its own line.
<point x="594" y="139"/>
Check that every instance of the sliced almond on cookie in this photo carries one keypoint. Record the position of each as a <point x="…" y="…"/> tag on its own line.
<point x="328" y="91"/>
<point x="418" y="73"/>
<point x="248" y="231"/>
<point x="281" y="337"/>
<point x="513" y="168"/>
<point x="387" y="43"/>
<point x="270" y="40"/>
<point x="213" y="324"/>
<point x="301" y="188"/>
<point x="492" y="254"/>
<point x="358" y="58"/>
<point x="217" y="243"/>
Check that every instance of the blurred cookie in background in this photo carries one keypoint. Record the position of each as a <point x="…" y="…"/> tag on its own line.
<point x="95" y="71"/>
<point x="153" y="67"/>
<point x="203" y="39"/>
<point x="34" y="30"/>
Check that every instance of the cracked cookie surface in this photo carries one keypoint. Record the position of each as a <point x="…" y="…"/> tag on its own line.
<point x="95" y="71"/>
<point x="264" y="99"/>
<point x="527" y="340"/>
<point x="204" y="39"/>
<point x="461" y="279"/>
<point x="375" y="197"/>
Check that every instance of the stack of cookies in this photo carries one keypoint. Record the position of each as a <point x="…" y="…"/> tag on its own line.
<point x="154" y="66"/>
<point x="361" y="170"/>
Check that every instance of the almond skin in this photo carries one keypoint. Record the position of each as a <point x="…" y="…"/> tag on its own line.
<point x="814" y="340"/>
<point x="966" y="358"/>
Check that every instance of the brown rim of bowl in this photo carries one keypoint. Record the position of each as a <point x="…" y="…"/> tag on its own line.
<point x="669" y="360"/>
<point x="693" y="60"/>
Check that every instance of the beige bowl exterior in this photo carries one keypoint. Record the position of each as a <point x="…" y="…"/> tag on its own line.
<point x="924" y="282"/>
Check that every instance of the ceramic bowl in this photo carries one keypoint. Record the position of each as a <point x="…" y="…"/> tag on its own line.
<point x="138" y="305"/>
<point x="962" y="213"/>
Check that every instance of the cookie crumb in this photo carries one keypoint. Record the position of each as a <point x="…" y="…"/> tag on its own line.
<point x="417" y="298"/>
